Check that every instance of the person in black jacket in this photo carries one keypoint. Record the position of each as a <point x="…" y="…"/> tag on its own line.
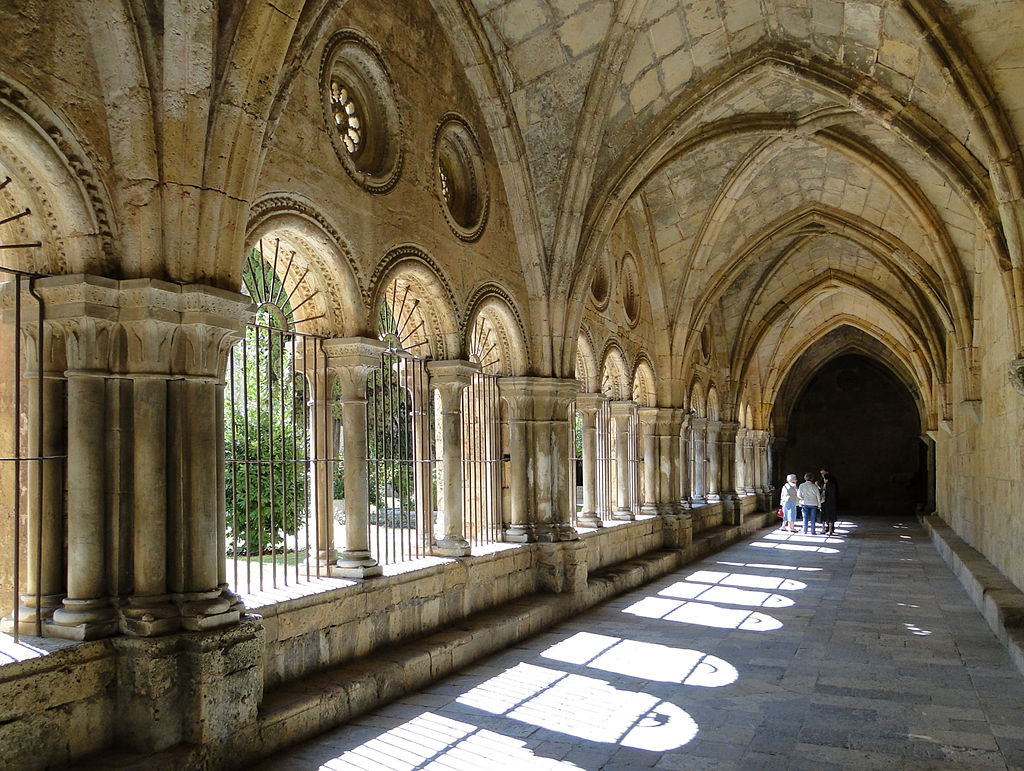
<point x="829" y="503"/>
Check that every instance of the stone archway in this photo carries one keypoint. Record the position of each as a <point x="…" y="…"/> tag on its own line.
<point x="856" y="418"/>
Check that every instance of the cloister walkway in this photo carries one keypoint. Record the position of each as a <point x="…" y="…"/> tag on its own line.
<point x="783" y="651"/>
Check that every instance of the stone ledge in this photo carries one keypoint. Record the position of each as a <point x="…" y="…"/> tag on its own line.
<point x="998" y="599"/>
<point x="301" y="709"/>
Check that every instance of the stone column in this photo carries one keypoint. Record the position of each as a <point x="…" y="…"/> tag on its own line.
<point x="450" y="379"/>
<point x="726" y="435"/>
<point x="682" y="481"/>
<point x="655" y="488"/>
<point x="698" y="435"/>
<point x="588" y="405"/>
<point x="353" y="359"/>
<point x="622" y="413"/>
<point x="87" y="313"/>
<point x="212" y="321"/>
<point x="150" y="317"/>
<point x="43" y="400"/>
<point x="714" y="458"/>
<point x="521" y="529"/>
<point x="314" y="369"/>
<point x="749" y="468"/>
<point x="542" y="444"/>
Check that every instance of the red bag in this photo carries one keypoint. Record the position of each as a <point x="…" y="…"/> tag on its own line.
<point x="779" y="513"/>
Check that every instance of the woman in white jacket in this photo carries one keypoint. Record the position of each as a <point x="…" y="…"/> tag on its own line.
<point x="788" y="501"/>
<point x="809" y="495"/>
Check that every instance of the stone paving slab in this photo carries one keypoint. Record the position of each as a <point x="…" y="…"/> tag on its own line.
<point x="788" y="652"/>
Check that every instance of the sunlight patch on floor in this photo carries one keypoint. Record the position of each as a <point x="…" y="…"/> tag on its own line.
<point x="647" y="661"/>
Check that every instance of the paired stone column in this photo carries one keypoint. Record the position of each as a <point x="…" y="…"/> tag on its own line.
<point x="86" y="312"/>
<point x="681" y="485"/>
<point x="150" y="317"/>
<point x="43" y="400"/>
<point x="654" y="486"/>
<point x="450" y="379"/>
<point x="725" y="432"/>
<point x="714" y="460"/>
<point x="352" y="360"/>
<point x="698" y="437"/>
<point x="749" y="473"/>
<point x="212" y="321"/>
<point x="622" y="415"/>
<point x="540" y="479"/>
<point x="588" y="405"/>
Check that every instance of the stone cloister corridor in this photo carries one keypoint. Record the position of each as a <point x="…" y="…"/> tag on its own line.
<point x="347" y="343"/>
<point x="782" y="651"/>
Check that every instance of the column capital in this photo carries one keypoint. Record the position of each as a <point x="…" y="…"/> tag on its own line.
<point x="353" y="359"/>
<point x="84" y="308"/>
<point x="212" y="321"/>
<point x="622" y="408"/>
<point x="450" y="378"/>
<point x="667" y="421"/>
<point x="150" y="314"/>
<point x="538" y="398"/>
<point x="590" y="403"/>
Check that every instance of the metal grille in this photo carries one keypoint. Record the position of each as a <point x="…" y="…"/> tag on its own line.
<point x="604" y="491"/>
<point x="481" y="464"/>
<point x="27" y="464"/>
<point x="400" y="459"/>
<point x="277" y="410"/>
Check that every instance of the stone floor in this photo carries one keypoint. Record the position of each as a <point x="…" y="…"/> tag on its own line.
<point x="783" y="651"/>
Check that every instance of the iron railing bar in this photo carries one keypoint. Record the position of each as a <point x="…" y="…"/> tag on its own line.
<point x="16" y="434"/>
<point x="40" y="448"/>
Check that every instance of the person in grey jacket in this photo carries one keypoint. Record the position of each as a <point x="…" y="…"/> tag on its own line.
<point x="788" y="500"/>
<point x="810" y="500"/>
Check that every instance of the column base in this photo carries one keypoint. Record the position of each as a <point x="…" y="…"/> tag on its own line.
<point x="562" y="531"/>
<point x="713" y="498"/>
<point x="202" y="611"/>
<point x="30" y="614"/>
<point x="82" y="620"/>
<point x="623" y="515"/>
<point x="589" y="519"/>
<point x="357" y="564"/>
<point x="698" y="500"/>
<point x="149" y="616"/>
<point x="451" y="547"/>
<point x="521" y="534"/>
<point x="651" y="509"/>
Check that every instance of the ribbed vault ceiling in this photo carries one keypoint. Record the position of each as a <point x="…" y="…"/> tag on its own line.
<point x="804" y="165"/>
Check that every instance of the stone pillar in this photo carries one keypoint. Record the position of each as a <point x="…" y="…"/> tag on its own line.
<point x="450" y="379"/>
<point x="540" y="462"/>
<point x="521" y="529"/>
<point x="85" y="307"/>
<point x="352" y="360"/>
<point x="655" y="488"/>
<point x="681" y="482"/>
<point x="588" y="405"/>
<point x="43" y="400"/>
<point x="318" y="381"/>
<point x="698" y="436"/>
<point x="622" y="413"/>
<point x="726" y="441"/>
<point x="150" y="316"/>
<point x="749" y="468"/>
<point x="714" y="458"/>
<point x="212" y="321"/>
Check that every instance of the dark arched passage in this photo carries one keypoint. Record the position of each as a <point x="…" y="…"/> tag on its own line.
<point x="857" y="419"/>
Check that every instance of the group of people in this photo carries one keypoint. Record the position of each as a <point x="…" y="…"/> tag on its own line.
<point x="813" y="497"/>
